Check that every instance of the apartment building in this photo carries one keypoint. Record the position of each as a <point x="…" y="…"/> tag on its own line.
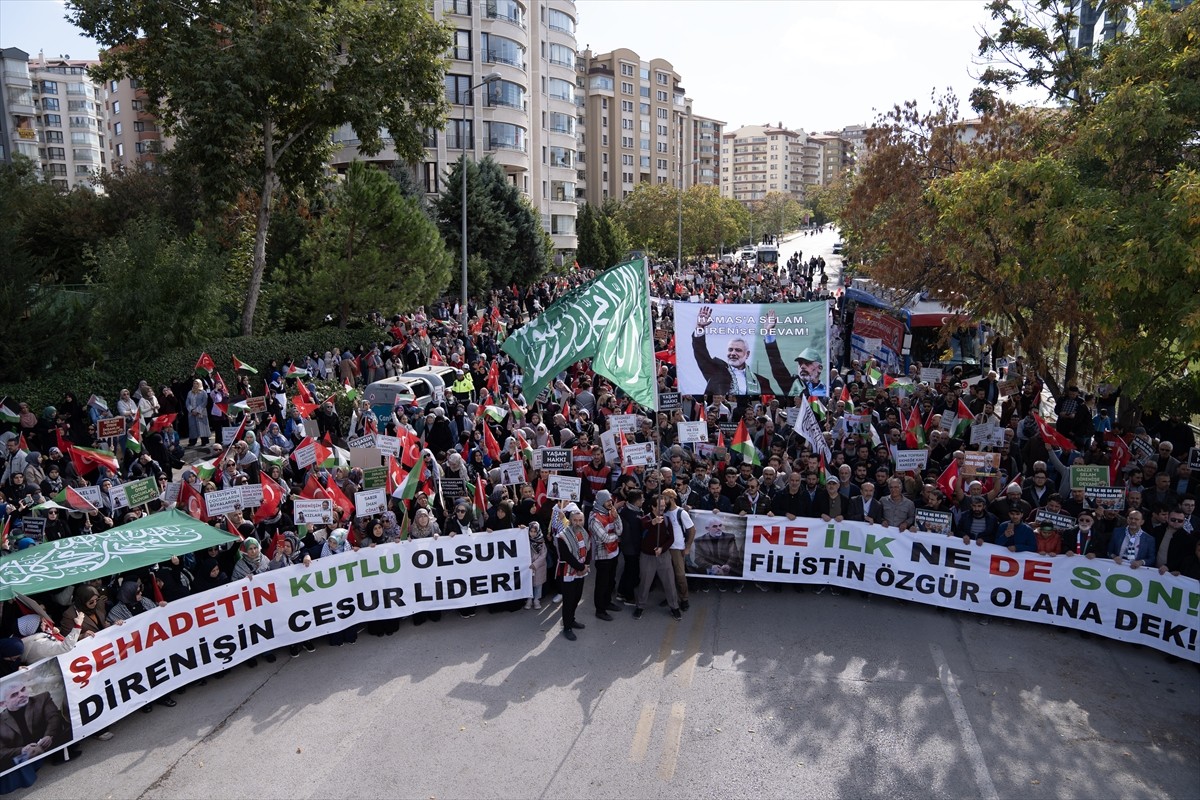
<point x="759" y="159"/>
<point x="71" y="121"/>
<point x="525" y="120"/>
<point x="639" y="127"/>
<point x="836" y="155"/>
<point x="135" y="140"/>
<point x="18" y="123"/>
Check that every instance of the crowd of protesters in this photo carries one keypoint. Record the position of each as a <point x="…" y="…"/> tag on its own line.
<point x="631" y="530"/>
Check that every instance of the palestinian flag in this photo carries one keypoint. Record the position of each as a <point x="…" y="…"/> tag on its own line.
<point x="241" y="430"/>
<point x="349" y="391"/>
<point x="133" y="438"/>
<point x="817" y="408"/>
<point x="480" y="499"/>
<point x="963" y="420"/>
<point x="205" y="470"/>
<point x="874" y="374"/>
<point x="495" y="413"/>
<point x="523" y="447"/>
<point x="914" y="431"/>
<point x="87" y="459"/>
<point x="516" y="410"/>
<point x="74" y="500"/>
<point x="243" y="367"/>
<point x="824" y="475"/>
<point x="743" y="445"/>
<point x="277" y="461"/>
<point x="295" y="372"/>
<point x="8" y="415"/>
<point x="407" y="490"/>
<point x="97" y="402"/>
<point x="205" y="364"/>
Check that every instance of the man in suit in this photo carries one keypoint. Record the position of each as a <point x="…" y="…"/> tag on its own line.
<point x="734" y="375"/>
<point x="1132" y="544"/>
<point x="865" y="508"/>
<point x="29" y="725"/>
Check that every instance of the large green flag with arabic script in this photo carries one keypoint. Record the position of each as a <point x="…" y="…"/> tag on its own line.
<point x="607" y="320"/>
<point x="129" y="547"/>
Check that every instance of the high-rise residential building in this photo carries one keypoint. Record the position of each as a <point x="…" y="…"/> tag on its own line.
<point x="134" y="138"/>
<point x="71" y="122"/>
<point x="837" y="155"/>
<point x="705" y="151"/>
<point x="757" y="160"/>
<point x="18" y="125"/>
<point x="857" y="136"/>
<point x="524" y="120"/>
<point x="639" y="127"/>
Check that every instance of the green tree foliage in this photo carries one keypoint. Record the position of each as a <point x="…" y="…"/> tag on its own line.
<point x="155" y="289"/>
<point x="373" y="249"/>
<point x="253" y="89"/>
<point x="590" y="252"/>
<point x="651" y="212"/>
<point x="614" y="238"/>
<point x="777" y="213"/>
<point x="502" y="227"/>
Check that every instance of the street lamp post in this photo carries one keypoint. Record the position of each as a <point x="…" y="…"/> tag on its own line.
<point x="679" y="252"/>
<point x="488" y="78"/>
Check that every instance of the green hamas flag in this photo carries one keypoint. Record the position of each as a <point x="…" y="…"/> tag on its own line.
<point x="127" y="548"/>
<point x="606" y="320"/>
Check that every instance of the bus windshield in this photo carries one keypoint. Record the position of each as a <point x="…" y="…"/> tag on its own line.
<point x="768" y="256"/>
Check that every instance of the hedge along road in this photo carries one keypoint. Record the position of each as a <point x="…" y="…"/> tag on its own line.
<point x="752" y="694"/>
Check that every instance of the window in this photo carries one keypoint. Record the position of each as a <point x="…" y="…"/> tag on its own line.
<point x="662" y="97"/>
<point x="603" y="120"/>
<point x="56" y="153"/>
<point x="53" y="137"/>
<point x="644" y="91"/>
<point x="85" y="138"/>
<point x="112" y="86"/>
<point x="562" y="157"/>
<point x="562" y="55"/>
<point x="562" y="123"/>
<point x="562" y="90"/>
<point x="560" y="21"/>
<point x="662" y="113"/>
<point x="460" y="7"/>
<point x="139" y="126"/>
<point x="81" y="105"/>
<point x="662" y="147"/>
<point x="627" y="70"/>
<point x="137" y="105"/>
<point x="661" y="77"/>
<point x="645" y="108"/>
<point x="457" y="87"/>
<point x="644" y="162"/>
<point x="644" y="125"/>
<point x="562" y="225"/>
<point x="429" y="137"/>
<point x="505" y="136"/>
<point x="601" y="82"/>
<point x="56" y="169"/>
<point x="52" y="119"/>
<point x="606" y="176"/>
<point x="89" y="156"/>
<point x="627" y="177"/>
<point x="662" y="163"/>
<point x="50" y="104"/>
<point x="134" y="83"/>
<point x="120" y="150"/>
<point x="506" y="10"/>
<point x="604" y="139"/>
<point x="662" y="130"/>
<point x="116" y="129"/>
<point x="627" y="141"/>
<point x="506" y="94"/>
<point x="627" y="105"/>
<point x="604" y="101"/>
<point x="431" y="177"/>
<point x="645" y="144"/>
<point x="498" y="50"/>
<point x="116" y="107"/>
<point x="461" y="51"/>
<point x="627" y="161"/>
<point x="626" y="124"/>
<point x="562" y="191"/>
<point x="626" y="87"/>
<point x="49" y="87"/>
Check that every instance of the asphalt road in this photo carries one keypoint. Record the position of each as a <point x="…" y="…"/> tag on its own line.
<point x="751" y="695"/>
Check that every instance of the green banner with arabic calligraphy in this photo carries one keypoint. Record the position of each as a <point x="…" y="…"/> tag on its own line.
<point x="66" y="562"/>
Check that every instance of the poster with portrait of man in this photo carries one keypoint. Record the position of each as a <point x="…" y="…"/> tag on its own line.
<point x="780" y="349"/>
<point x="34" y="718"/>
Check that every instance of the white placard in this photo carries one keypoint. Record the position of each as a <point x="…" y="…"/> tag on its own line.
<point x="228" y="433"/>
<point x="694" y="432"/>
<point x="171" y="495"/>
<point x="388" y="444"/>
<point x="638" y="455"/>
<point x="117" y="495"/>
<point x="225" y="501"/>
<point x="361" y="442"/>
<point x="608" y="442"/>
<point x="252" y="495"/>
<point x="313" y="512"/>
<point x="623" y="423"/>
<point x="92" y="494"/>
<point x="512" y="473"/>
<point x="560" y="487"/>
<point x="305" y="456"/>
<point x="368" y="502"/>
<point x="910" y="460"/>
<point x="931" y="375"/>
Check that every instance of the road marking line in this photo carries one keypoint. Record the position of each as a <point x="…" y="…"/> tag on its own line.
<point x="641" y="734"/>
<point x="691" y="654"/>
<point x="670" y="756"/>
<point x="664" y="652"/>
<point x="983" y="778"/>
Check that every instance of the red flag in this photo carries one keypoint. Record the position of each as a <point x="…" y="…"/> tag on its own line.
<point x="1119" y="456"/>
<point x="949" y="479"/>
<point x="162" y="422"/>
<point x="540" y="495"/>
<point x="566" y="411"/>
<point x="313" y="490"/>
<point x="233" y="528"/>
<point x="63" y="444"/>
<point x="22" y="445"/>
<point x="702" y="413"/>
<point x="272" y="497"/>
<point x="219" y="383"/>
<point x="339" y="497"/>
<point x="490" y="443"/>
<point x="191" y="502"/>
<point x="435" y="358"/>
<point x="241" y="431"/>
<point x="622" y="443"/>
<point x="395" y="475"/>
<point x="86" y="459"/>
<point x="480" y="498"/>
<point x="205" y="364"/>
<point x="410" y="448"/>
<point x="493" y="379"/>
<point x="306" y="409"/>
<point x="1051" y="436"/>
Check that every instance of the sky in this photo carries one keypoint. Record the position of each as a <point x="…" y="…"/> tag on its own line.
<point x="814" y="65"/>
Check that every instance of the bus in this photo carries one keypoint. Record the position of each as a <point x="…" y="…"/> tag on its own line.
<point x="767" y="255"/>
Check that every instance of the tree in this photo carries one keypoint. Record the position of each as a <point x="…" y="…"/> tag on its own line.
<point x="827" y="202"/>
<point x="777" y="213"/>
<point x="155" y="289"/>
<point x="252" y="90"/>
<point x="502" y="228"/>
<point x="374" y="248"/>
<point x="614" y="238"/>
<point x="590" y="253"/>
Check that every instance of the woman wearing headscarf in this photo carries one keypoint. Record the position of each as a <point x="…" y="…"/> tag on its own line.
<point x="89" y="603"/>
<point x="424" y="526"/>
<point x="274" y="438"/>
<point x="130" y="602"/>
<point x="391" y="528"/>
<point x="338" y="542"/>
<point x="537" y="561"/>
<point x="209" y="574"/>
<point x="196" y="405"/>
<point x="34" y="474"/>
<point x="460" y="520"/>
<point x="252" y="560"/>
